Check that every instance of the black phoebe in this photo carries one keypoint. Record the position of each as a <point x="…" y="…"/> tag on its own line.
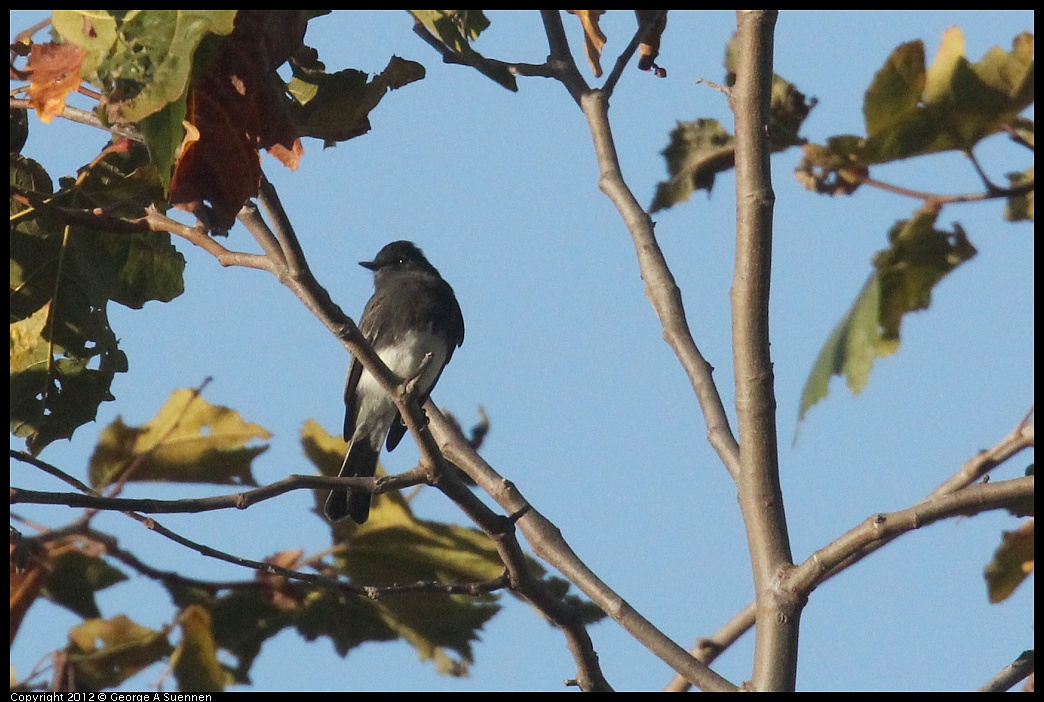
<point x="413" y="312"/>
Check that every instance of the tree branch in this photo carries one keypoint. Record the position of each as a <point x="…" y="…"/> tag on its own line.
<point x="1012" y="674"/>
<point x="660" y="286"/>
<point x="549" y="545"/>
<point x="75" y="114"/>
<point x="879" y="529"/>
<point x="290" y="266"/>
<point x="476" y="60"/>
<point x="625" y="56"/>
<point x="761" y="498"/>
<point x="560" y="58"/>
<point x="1018" y="439"/>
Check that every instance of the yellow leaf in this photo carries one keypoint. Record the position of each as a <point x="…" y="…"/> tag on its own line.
<point x="939" y="76"/>
<point x="1011" y="564"/>
<point x="195" y="661"/>
<point x="189" y="440"/>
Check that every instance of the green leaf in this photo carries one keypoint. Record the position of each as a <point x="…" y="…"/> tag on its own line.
<point x="456" y="29"/>
<point x="336" y="106"/>
<point x="242" y="621"/>
<point x="850" y="349"/>
<point x="106" y="652"/>
<point x="73" y="579"/>
<point x="189" y="440"/>
<point x="141" y="59"/>
<point x="164" y="132"/>
<point x="912" y="110"/>
<point x="393" y="546"/>
<point x="697" y="152"/>
<point x="895" y="93"/>
<point x="1012" y="563"/>
<point x="64" y="352"/>
<point x="918" y="258"/>
<point x="700" y="150"/>
<point x="347" y="620"/>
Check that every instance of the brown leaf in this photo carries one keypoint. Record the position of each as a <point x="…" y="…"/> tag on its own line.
<point x="54" y="70"/>
<point x="28" y="573"/>
<point x="237" y="107"/>
<point x="649" y="49"/>
<point x="594" y="40"/>
<point x="284" y="594"/>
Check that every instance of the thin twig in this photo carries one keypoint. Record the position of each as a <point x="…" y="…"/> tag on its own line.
<point x="549" y="545"/>
<point x="75" y="114"/>
<point x="994" y="193"/>
<point x="476" y="60"/>
<point x="625" y="56"/>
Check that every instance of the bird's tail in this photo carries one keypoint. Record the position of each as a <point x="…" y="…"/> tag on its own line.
<point x="361" y="462"/>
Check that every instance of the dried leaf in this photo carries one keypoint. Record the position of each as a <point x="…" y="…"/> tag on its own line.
<point x="594" y="39"/>
<point x="54" y="70"/>
<point x="649" y="49"/>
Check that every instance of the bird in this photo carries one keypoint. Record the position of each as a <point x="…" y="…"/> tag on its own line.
<point x="413" y="312"/>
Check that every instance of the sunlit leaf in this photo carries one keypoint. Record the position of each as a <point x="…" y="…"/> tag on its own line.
<point x="850" y="349"/>
<point x="194" y="661"/>
<point x="142" y="59"/>
<point x="594" y="38"/>
<point x="911" y="109"/>
<point x="456" y="29"/>
<point x="1012" y="563"/>
<point x="189" y="440"/>
<point x="106" y="652"/>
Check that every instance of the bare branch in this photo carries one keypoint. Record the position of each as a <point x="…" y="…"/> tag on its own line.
<point x="709" y="648"/>
<point x="625" y="56"/>
<point x="561" y="58"/>
<point x="1021" y="437"/>
<point x="1011" y="675"/>
<point x="660" y="286"/>
<point x="761" y="498"/>
<point x="548" y="544"/>
<point x="879" y="529"/>
<point x="981" y="464"/>
<point x="75" y="114"/>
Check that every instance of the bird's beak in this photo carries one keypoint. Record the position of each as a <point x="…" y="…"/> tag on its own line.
<point x="371" y="265"/>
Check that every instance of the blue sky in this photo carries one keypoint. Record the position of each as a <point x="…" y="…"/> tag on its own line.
<point x="592" y="416"/>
